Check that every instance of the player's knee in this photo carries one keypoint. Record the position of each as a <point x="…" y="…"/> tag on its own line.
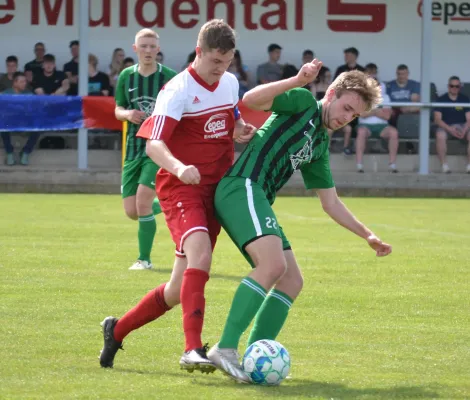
<point x="132" y="214"/>
<point x="172" y="293"/>
<point x="202" y="260"/>
<point x="273" y="270"/>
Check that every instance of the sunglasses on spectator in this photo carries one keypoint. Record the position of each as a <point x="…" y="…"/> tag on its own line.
<point x="454" y="86"/>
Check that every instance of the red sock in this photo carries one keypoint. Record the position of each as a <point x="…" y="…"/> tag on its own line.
<point x="193" y="304"/>
<point x="149" y="309"/>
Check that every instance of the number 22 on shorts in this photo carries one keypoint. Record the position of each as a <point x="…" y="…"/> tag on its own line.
<point x="271" y="223"/>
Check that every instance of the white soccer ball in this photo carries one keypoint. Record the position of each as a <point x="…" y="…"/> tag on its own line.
<point x="266" y="362"/>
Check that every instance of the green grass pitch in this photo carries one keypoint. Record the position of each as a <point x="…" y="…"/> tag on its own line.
<point x="363" y="327"/>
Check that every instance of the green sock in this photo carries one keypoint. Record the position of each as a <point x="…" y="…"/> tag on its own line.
<point x="147" y="229"/>
<point x="246" y="303"/>
<point x="156" y="209"/>
<point x="270" y="317"/>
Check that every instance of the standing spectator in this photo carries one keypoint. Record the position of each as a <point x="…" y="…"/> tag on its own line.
<point x="453" y="121"/>
<point x="71" y="68"/>
<point x="128" y="62"/>
<point x="98" y="82"/>
<point x="351" y="55"/>
<point x="307" y="57"/>
<point x="50" y="81"/>
<point x="241" y="72"/>
<point x="35" y="66"/>
<point x="403" y="89"/>
<point x="116" y="65"/>
<point x="6" y="80"/>
<point x="19" y="87"/>
<point x="160" y="57"/>
<point x="272" y="70"/>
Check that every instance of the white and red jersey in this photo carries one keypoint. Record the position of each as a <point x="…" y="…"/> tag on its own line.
<point x="196" y="122"/>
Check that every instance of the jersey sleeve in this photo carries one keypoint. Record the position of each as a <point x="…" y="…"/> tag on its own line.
<point x="293" y="102"/>
<point x="169" y="108"/>
<point x="120" y="91"/>
<point x="235" y="90"/>
<point x="317" y="174"/>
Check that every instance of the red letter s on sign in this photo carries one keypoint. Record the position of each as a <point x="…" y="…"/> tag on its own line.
<point x="376" y="12"/>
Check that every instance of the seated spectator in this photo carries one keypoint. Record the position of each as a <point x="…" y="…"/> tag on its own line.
<point x="375" y="124"/>
<point x="98" y="82"/>
<point x="321" y="83"/>
<point x="270" y="71"/>
<point x="160" y="57"/>
<point x="116" y="65"/>
<point x="288" y="71"/>
<point x="351" y="55"/>
<point x="307" y="56"/>
<point x="19" y="87"/>
<point x="71" y="68"/>
<point x="403" y="90"/>
<point x="189" y="60"/>
<point x="454" y="121"/>
<point x="128" y="62"/>
<point x="6" y="80"/>
<point x="372" y="70"/>
<point x="240" y="70"/>
<point x="35" y="66"/>
<point x="50" y="81"/>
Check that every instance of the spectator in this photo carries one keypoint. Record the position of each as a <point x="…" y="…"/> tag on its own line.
<point x="6" y="80"/>
<point x="272" y="70"/>
<point x="375" y="124"/>
<point x="128" y="62"/>
<point x="240" y="70"/>
<point x="189" y="60"/>
<point x="319" y="85"/>
<point x="35" y="66"/>
<point x="307" y="56"/>
<point x="404" y="90"/>
<point x="288" y="71"/>
<point x="98" y="82"/>
<point x="371" y="69"/>
<point x="50" y="81"/>
<point x="19" y="87"/>
<point x="454" y="121"/>
<point x="160" y="57"/>
<point x="71" y="68"/>
<point x="351" y="55"/>
<point x="116" y="65"/>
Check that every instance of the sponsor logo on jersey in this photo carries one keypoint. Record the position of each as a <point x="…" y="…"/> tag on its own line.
<point x="216" y="126"/>
<point x="305" y="154"/>
<point x="145" y="104"/>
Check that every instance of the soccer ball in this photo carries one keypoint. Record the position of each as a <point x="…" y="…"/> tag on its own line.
<point x="266" y="362"/>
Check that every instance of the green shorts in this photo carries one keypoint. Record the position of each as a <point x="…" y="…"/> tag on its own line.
<point x="245" y="213"/>
<point x="374" y="129"/>
<point x="141" y="171"/>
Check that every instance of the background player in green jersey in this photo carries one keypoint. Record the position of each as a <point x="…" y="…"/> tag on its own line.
<point x="295" y="137"/>
<point x="136" y="90"/>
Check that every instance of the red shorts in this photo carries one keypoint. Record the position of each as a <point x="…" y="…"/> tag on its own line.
<point x="189" y="209"/>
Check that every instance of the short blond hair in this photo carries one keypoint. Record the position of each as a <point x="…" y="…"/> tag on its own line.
<point x="360" y="83"/>
<point x="216" y="35"/>
<point x="146" y="32"/>
<point x="92" y="59"/>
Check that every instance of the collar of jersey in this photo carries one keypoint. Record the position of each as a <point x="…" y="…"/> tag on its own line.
<point x="201" y="81"/>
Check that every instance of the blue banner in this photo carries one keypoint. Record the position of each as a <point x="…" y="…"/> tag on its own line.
<point x="27" y="113"/>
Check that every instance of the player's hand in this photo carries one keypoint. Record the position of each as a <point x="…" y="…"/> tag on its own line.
<point x="382" y="249"/>
<point x="246" y="134"/>
<point x="136" y="116"/>
<point x="189" y="175"/>
<point x="308" y="72"/>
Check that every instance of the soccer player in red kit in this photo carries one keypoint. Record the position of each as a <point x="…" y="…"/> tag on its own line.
<point x="190" y="136"/>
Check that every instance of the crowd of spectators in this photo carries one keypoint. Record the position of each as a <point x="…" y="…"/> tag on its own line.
<point x="42" y="77"/>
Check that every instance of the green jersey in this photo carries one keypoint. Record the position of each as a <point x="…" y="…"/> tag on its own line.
<point x="292" y="138"/>
<point x="137" y="92"/>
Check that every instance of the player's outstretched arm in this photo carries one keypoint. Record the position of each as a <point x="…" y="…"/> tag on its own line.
<point x="336" y="209"/>
<point x="261" y="97"/>
<point x="161" y="155"/>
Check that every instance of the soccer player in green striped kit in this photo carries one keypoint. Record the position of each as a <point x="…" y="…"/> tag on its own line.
<point x="295" y="137"/>
<point x="136" y="90"/>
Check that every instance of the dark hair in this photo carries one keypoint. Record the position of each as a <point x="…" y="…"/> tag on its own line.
<point x="74" y="43"/>
<point x="191" y="57"/>
<point x="160" y="54"/>
<point x="454" y="78"/>
<point x="321" y="73"/>
<point x="39" y="44"/>
<point x="308" y="53"/>
<point x="239" y="65"/>
<point x="49" y="58"/>
<point x="12" y="59"/>
<point x="18" y="74"/>
<point x="128" y="59"/>
<point x="216" y="35"/>
<point x="273" y="47"/>
<point x="288" y="71"/>
<point x="352" y="50"/>
<point x="402" y="67"/>
<point x="371" y="66"/>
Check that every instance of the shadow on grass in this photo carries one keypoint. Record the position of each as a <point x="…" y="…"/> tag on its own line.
<point x="300" y="387"/>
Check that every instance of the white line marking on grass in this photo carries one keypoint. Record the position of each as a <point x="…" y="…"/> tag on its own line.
<point x="385" y="226"/>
